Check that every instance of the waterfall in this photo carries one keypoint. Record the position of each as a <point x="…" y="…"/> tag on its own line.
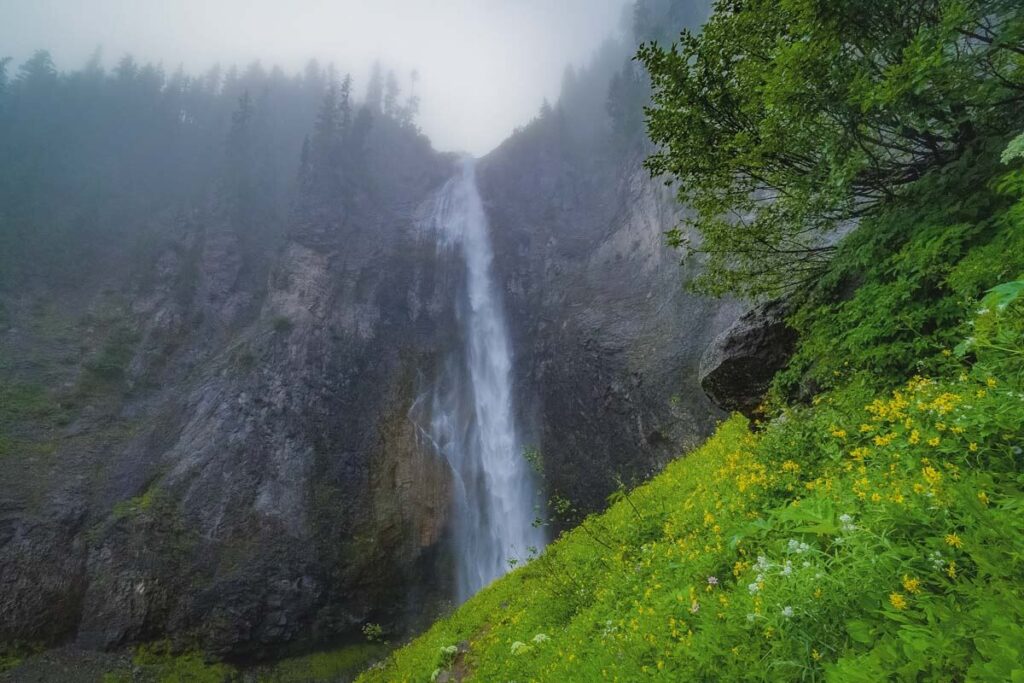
<point x="472" y="419"/>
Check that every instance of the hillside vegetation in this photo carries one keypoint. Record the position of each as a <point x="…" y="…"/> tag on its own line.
<point x="867" y="535"/>
<point x="868" y="526"/>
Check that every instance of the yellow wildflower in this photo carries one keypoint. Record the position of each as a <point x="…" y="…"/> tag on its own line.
<point x="954" y="541"/>
<point x="914" y="437"/>
<point x="991" y="382"/>
<point x="972" y="447"/>
<point x="897" y="600"/>
<point x="815" y="655"/>
<point x="934" y="441"/>
<point x="951" y="569"/>
<point x="931" y="475"/>
<point x="983" y="497"/>
<point x="838" y="433"/>
<point x="859" y="453"/>
<point x="911" y="584"/>
<point x="884" y="440"/>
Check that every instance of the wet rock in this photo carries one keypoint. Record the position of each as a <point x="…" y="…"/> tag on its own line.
<point x="737" y="368"/>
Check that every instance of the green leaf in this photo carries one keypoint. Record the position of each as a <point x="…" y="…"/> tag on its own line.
<point x="1014" y="150"/>
<point x="860" y="631"/>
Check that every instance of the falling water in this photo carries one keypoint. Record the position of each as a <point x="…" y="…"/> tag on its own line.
<point x="472" y="421"/>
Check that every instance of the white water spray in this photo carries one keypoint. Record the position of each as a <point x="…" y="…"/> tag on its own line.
<point x="472" y="421"/>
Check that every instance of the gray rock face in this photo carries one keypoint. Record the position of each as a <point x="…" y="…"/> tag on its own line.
<point x="250" y="478"/>
<point x="607" y="340"/>
<point x="737" y="368"/>
<point x="231" y="460"/>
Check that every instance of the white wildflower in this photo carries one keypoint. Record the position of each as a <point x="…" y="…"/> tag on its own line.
<point x="798" y="547"/>
<point x="787" y="612"/>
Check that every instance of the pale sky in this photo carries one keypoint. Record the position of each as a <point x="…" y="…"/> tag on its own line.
<point x="485" y="66"/>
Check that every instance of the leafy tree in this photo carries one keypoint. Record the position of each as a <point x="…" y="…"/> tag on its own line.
<point x="782" y="121"/>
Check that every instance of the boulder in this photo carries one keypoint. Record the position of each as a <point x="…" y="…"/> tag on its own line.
<point x="738" y="366"/>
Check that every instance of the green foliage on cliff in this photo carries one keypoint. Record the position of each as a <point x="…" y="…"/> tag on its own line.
<point x="782" y="120"/>
<point x="897" y="297"/>
<point x="24" y="407"/>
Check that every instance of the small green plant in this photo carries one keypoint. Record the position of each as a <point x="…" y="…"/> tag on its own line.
<point x="534" y="457"/>
<point x="137" y="505"/>
<point x="334" y="665"/>
<point x="159" y="662"/>
<point x="111" y="363"/>
<point x="374" y="633"/>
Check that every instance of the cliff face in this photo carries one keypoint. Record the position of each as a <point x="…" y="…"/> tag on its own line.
<point x="211" y="440"/>
<point x="244" y="472"/>
<point x="608" y="342"/>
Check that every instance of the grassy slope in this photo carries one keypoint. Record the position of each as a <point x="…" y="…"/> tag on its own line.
<point x="924" y="575"/>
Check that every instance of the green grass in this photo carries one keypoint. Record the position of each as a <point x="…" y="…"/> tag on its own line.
<point x="873" y="535"/>
<point x="8" y="662"/>
<point x="139" y="504"/>
<point x="157" y="662"/>
<point x="336" y="665"/>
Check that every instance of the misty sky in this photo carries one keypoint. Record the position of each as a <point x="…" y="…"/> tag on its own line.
<point x="484" y="65"/>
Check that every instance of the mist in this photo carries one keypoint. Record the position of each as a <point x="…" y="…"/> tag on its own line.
<point x="483" y="67"/>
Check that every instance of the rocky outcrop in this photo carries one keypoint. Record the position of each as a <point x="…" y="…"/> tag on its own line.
<point x="737" y="368"/>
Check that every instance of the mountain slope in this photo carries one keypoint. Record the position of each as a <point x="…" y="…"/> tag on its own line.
<point x="867" y="535"/>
